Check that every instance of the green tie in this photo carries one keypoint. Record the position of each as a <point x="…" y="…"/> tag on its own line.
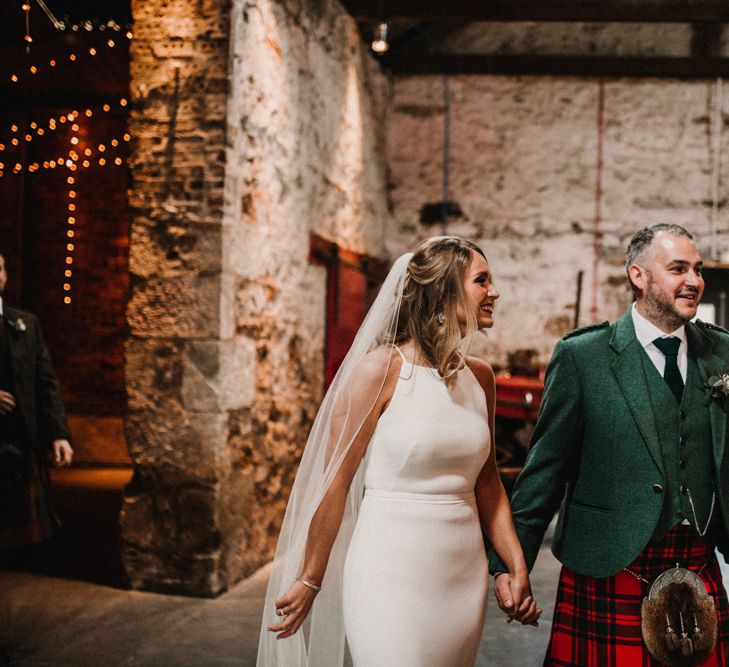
<point x="669" y="346"/>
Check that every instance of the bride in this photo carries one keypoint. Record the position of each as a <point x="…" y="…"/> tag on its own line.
<point x="383" y="539"/>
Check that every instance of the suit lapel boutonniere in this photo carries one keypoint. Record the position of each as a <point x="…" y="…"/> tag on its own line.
<point x="718" y="388"/>
<point x="18" y="324"/>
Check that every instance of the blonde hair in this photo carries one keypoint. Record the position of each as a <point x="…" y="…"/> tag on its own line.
<point x="432" y="292"/>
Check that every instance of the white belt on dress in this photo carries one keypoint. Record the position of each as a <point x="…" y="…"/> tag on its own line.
<point x="436" y="498"/>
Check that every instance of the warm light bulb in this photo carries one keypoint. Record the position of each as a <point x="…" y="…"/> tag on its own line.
<point x="72" y="56"/>
<point x="74" y="140"/>
<point x="70" y="180"/>
<point x="52" y="164"/>
<point x="67" y="299"/>
<point x="70" y="247"/>
<point x="33" y="69"/>
<point x="114" y="142"/>
<point x="127" y="137"/>
<point x="379" y="44"/>
<point x="85" y="163"/>
<point x="111" y="43"/>
<point x="123" y="102"/>
<point x="33" y="126"/>
<point x="72" y="207"/>
<point x="14" y="141"/>
<point x="68" y="273"/>
<point x="92" y="51"/>
<point x="14" y="128"/>
<point x="28" y="137"/>
<point x="69" y="260"/>
<point x="72" y="194"/>
<point x="106" y="107"/>
<point x="102" y="161"/>
<point x="14" y="78"/>
<point x="70" y="233"/>
<point x="74" y="127"/>
<point x="52" y="63"/>
<point x="102" y="148"/>
<point x="117" y="161"/>
<point x="66" y="286"/>
<point x="41" y="131"/>
<point x="89" y="113"/>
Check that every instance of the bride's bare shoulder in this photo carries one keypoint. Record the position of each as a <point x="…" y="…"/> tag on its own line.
<point x="383" y="361"/>
<point x="483" y="372"/>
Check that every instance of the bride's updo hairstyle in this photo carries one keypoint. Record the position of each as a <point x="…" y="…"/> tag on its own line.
<point x="432" y="293"/>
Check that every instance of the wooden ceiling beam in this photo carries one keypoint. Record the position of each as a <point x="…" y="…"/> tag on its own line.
<point x="592" y="66"/>
<point x="652" y="11"/>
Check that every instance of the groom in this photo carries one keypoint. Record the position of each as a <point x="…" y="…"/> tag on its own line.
<point x="631" y="449"/>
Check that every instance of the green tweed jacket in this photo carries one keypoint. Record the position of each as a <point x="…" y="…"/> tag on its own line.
<point x="596" y="454"/>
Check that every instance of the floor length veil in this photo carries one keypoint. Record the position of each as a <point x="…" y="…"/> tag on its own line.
<point x="320" y="642"/>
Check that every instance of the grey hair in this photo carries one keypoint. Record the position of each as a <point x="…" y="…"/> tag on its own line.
<point x="642" y="240"/>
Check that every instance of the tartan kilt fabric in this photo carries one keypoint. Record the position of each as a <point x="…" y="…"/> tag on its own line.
<point x="26" y="515"/>
<point x="597" y="620"/>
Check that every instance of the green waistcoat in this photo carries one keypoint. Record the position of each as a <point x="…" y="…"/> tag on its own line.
<point x="685" y="438"/>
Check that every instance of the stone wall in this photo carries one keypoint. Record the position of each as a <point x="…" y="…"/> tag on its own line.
<point x="523" y="166"/>
<point x="170" y="518"/>
<point x="255" y="123"/>
<point x="306" y="154"/>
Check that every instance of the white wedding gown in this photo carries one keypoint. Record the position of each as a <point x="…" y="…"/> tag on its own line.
<point x="416" y="576"/>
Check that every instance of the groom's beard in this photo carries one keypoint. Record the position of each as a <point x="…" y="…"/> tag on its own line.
<point x="662" y="309"/>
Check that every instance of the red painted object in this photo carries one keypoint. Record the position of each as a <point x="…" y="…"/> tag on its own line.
<point x="518" y="396"/>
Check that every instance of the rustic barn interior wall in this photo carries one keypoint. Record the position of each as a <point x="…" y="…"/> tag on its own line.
<point x="539" y="167"/>
<point x="256" y="124"/>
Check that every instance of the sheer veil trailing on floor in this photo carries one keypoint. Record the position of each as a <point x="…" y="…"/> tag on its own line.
<point x="320" y="641"/>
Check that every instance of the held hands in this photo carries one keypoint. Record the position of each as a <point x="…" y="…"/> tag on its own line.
<point x="514" y="595"/>
<point x="294" y="606"/>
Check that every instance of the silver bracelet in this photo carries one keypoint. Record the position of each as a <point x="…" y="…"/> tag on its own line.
<point x="308" y="584"/>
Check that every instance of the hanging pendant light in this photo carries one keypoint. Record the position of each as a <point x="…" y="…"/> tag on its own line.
<point x="379" y="44"/>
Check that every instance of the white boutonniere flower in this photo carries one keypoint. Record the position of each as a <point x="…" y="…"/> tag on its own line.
<point x="18" y="325"/>
<point x="718" y="386"/>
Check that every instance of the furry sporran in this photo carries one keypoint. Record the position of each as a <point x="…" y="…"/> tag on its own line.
<point x="679" y="619"/>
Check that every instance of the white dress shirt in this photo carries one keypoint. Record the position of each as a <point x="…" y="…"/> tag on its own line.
<point x="646" y="332"/>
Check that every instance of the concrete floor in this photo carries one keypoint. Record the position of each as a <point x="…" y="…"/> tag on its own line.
<point x="60" y="622"/>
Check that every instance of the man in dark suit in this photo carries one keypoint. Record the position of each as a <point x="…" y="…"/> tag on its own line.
<point x="32" y="427"/>
<point x="630" y="446"/>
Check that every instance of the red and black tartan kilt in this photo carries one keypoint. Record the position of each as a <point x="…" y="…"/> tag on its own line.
<point x="28" y="516"/>
<point x="597" y="620"/>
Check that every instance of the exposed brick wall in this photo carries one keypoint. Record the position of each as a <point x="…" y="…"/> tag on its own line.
<point x="179" y="70"/>
<point x="255" y="124"/>
<point x="85" y="337"/>
<point x="523" y="168"/>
